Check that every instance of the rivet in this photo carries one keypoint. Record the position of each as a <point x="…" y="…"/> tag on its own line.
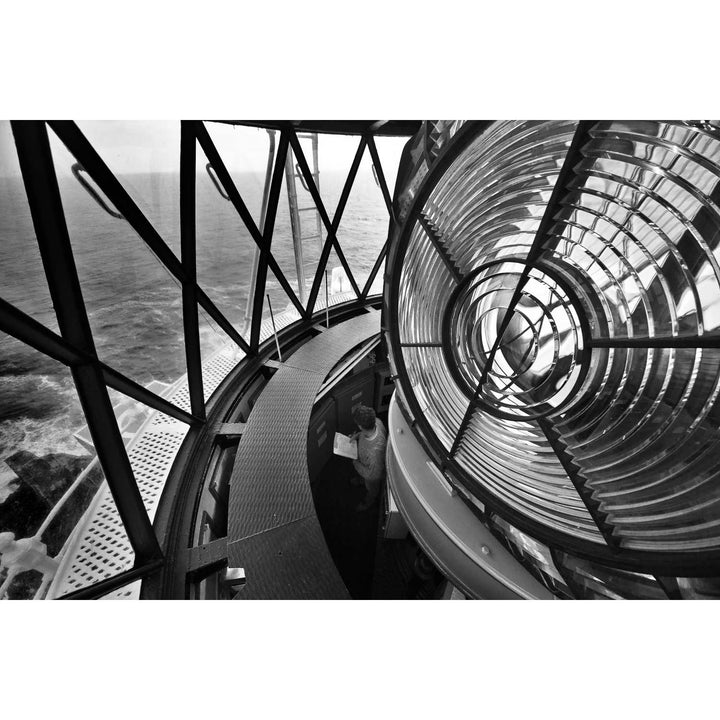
<point x="485" y="550"/>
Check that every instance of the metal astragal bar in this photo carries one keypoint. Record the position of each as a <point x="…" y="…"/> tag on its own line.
<point x="272" y="318"/>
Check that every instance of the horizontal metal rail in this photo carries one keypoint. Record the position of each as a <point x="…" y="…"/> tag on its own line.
<point x="97" y="590"/>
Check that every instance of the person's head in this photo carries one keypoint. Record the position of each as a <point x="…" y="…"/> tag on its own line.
<point x="364" y="417"/>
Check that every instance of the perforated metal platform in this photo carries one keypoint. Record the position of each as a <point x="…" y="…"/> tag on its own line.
<point x="99" y="547"/>
<point x="273" y="531"/>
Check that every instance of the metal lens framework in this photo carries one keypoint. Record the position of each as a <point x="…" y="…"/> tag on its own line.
<point x="555" y="299"/>
<point x="529" y="370"/>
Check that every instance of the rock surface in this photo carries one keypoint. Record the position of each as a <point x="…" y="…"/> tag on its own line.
<point x="50" y="475"/>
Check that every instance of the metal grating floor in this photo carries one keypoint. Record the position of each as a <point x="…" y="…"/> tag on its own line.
<point x="99" y="547"/>
<point x="271" y="515"/>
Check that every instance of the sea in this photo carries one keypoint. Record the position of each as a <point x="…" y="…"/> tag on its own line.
<point x="133" y="303"/>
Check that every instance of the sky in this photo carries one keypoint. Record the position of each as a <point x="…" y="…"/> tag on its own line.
<point x="138" y="146"/>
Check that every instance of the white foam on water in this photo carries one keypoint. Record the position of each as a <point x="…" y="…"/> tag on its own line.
<point x="38" y="437"/>
<point x="8" y="483"/>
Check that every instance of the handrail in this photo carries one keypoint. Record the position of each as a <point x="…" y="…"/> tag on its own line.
<point x="301" y="177"/>
<point x="65" y="496"/>
<point x="115" y="582"/>
<point x="216" y="183"/>
<point x="47" y="579"/>
<point x="76" y="169"/>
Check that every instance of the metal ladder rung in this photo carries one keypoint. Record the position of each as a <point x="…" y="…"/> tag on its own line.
<point x="310" y="237"/>
<point x="307" y="209"/>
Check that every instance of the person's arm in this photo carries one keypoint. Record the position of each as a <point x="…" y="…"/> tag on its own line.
<point x="361" y="468"/>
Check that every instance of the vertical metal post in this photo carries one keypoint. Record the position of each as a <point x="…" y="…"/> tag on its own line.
<point x="272" y="318"/>
<point x="295" y="226"/>
<point x="191" y="327"/>
<point x="316" y="170"/>
<point x="51" y="231"/>
<point x="267" y="235"/>
<point x="327" y="303"/>
<point x="263" y="213"/>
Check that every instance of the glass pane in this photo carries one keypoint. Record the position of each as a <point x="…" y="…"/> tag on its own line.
<point x="377" y="285"/>
<point x="134" y="305"/>
<point x="219" y="354"/>
<point x="226" y="253"/>
<point x="287" y="233"/>
<point x="47" y="477"/>
<point x="98" y="549"/>
<point x="365" y="221"/>
<point x="284" y="312"/>
<point x="244" y="151"/>
<point x="389" y="150"/>
<point x="22" y="278"/>
<point x="144" y="155"/>
<point x="335" y="286"/>
<point x="335" y="156"/>
<point x="152" y="439"/>
<point x="299" y="230"/>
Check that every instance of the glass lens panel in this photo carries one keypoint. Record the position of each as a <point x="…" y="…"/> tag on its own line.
<point x="699" y="588"/>
<point x="591" y="581"/>
<point x="535" y="556"/>
<point x="598" y="332"/>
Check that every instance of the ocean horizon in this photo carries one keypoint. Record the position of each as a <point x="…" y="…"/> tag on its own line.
<point x="134" y="305"/>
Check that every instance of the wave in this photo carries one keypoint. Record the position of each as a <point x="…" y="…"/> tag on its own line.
<point x="39" y="436"/>
<point x="135" y="308"/>
<point x="36" y="396"/>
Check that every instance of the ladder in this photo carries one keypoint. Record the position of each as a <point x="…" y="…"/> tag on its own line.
<point x="292" y="174"/>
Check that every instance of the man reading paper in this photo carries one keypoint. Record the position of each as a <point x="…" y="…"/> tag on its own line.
<point x="370" y="464"/>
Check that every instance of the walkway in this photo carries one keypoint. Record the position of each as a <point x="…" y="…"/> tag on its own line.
<point x="273" y="530"/>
